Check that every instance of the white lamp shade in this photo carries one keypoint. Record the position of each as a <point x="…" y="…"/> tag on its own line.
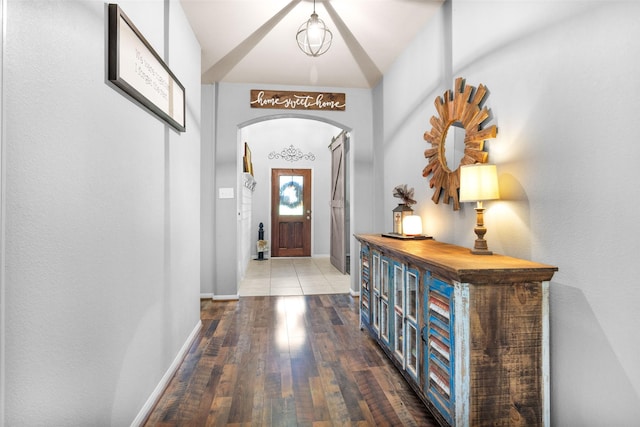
<point x="478" y="182"/>
<point x="412" y="225"/>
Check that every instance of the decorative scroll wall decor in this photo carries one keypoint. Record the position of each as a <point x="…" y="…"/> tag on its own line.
<point x="462" y="108"/>
<point x="291" y="154"/>
<point x="287" y="100"/>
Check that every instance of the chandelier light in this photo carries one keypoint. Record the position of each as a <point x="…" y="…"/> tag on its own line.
<point x="313" y="36"/>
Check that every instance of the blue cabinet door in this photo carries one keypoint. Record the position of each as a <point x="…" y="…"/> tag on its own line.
<point x="365" y="286"/>
<point x="438" y="346"/>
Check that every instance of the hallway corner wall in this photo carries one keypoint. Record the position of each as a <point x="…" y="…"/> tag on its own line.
<point x="102" y="216"/>
<point x="233" y="110"/>
<point x="207" y="191"/>
<point x="563" y="88"/>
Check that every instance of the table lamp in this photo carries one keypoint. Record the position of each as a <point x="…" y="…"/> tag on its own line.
<point x="479" y="182"/>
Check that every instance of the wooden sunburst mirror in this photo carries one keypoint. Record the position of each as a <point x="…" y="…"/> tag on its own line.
<point x="462" y="108"/>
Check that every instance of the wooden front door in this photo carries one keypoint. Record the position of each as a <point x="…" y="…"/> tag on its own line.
<point x="338" y="250"/>
<point x="290" y="212"/>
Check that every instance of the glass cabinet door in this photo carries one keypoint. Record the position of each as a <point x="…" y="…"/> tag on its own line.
<point x="411" y="321"/>
<point x="399" y="336"/>
<point x="412" y="349"/>
<point x="412" y="294"/>
<point x="398" y="305"/>
<point x="375" y="278"/>
<point x="385" y="278"/>
<point x="398" y="286"/>
<point x="384" y="299"/>
<point x="384" y="320"/>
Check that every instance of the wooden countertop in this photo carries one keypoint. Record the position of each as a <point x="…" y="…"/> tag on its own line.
<point x="458" y="263"/>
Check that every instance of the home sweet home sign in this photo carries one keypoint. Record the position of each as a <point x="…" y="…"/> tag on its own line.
<point x="287" y="100"/>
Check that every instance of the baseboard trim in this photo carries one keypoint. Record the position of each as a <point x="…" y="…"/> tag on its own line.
<point x="164" y="382"/>
<point x="206" y="296"/>
<point x="354" y="293"/>
<point x="226" y="297"/>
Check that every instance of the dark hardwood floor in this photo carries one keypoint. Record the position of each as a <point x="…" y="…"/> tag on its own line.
<point x="286" y="361"/>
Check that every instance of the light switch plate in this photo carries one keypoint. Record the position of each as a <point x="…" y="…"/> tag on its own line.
<point x="225" y="193"/>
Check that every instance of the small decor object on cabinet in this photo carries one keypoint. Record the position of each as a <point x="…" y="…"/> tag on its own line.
<point x="399" y="214"/>
<point x="459" y="109"/>
<point x="403" y="209"/>
<point x="412" y="225"/>
<point x="404" y="193"/>
<point x="404" y="214"/>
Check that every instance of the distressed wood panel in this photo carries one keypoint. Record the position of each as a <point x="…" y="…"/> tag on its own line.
<point x="328" y="101"/>
<point x="506" y="353"/>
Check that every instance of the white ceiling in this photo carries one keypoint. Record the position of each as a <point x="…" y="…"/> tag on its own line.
<point x="253" y="41"/>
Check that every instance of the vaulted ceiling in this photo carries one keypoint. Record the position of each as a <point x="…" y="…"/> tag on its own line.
<point x="253" y="41"/>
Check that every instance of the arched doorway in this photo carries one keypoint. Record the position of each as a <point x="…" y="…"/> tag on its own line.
<point x="288" y="141"/>
<point x="225" y="111"/>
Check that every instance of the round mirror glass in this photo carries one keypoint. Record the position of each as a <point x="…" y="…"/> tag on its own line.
<point x="453" y="147"/>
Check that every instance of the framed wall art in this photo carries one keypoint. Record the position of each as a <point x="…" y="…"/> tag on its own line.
<point x="136" y="68"/>
<point x="248" y="163"/>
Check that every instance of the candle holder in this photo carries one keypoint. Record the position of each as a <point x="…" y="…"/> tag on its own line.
<point x="399" y="214"/>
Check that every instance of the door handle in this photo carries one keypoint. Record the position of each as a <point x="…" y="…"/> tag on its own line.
<point x="424" y="334"/>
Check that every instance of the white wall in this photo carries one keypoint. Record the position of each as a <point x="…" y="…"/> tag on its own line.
<point x="102" y="217"/>
<point x="233" y="112"/>
<point x="563" y="82"/>
<point x="309" y="136"/>
<point x="207" y="191"/>
<point x="2" y="216"/>
<point x="246" y="243"/>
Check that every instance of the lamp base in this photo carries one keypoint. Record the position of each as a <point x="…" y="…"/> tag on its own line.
<point x="481" y="252"/>
<point x="480" y="247"/>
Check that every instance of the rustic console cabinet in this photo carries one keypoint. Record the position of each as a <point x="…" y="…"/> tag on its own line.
<point x="470" y="333"/>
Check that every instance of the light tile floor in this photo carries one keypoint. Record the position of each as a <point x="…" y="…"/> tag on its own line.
<point x="293" y="276"/>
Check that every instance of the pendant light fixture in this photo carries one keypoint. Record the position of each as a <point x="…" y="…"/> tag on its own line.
<point x="313" y="36"/>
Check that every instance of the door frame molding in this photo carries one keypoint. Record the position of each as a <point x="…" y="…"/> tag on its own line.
<point x="3" y="18"/>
